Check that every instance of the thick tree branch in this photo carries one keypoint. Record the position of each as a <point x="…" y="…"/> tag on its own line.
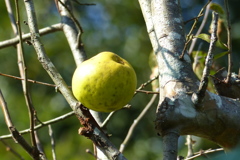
<point x="218" y="118"/>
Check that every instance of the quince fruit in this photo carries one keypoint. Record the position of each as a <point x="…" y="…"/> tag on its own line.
<point x="104" y="83"/>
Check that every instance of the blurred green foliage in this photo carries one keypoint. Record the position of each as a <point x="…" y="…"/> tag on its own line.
<point x="110" y="25"/>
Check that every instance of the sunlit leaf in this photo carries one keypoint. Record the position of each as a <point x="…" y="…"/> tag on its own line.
<point x="207" y="38"/>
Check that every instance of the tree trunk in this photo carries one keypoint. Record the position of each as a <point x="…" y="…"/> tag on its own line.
<point x="216" y="118"/>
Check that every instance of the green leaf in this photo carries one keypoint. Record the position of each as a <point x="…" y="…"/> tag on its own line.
<point x="217" y="8"/>
<point x="219" y="55"/>
<point x="222" y="14"/>
<point x="207" y="38"/>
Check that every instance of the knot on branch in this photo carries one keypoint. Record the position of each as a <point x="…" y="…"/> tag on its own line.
<point x="86" y="121"/>
<point x="87" y="130"/>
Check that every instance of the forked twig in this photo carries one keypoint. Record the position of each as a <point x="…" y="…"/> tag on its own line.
<point x="189" y="36"/>
<point x="199" y="29"/>
<point x="146" y="83"/>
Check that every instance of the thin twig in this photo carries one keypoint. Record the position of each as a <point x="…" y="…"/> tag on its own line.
<point x="91" y="153"/>
<point x="229" y="42"/>
<point x="189" y="143"/>
<point x="50" y="131"/>
<point x="23" y="73"/>
<point x="105" y="122"/>
<point x="136" y="121"/>
<point x="27" y="36"/>
<point x="146" y="83"/>
<point x="203" y="152"/>
<point x="196" y="57"/>
<point x="43" y="124"/>
<point x="11" y="16"/>
<point x="185" y="22"/>
<point x="199" y="29"/>
<point x="39" y="146"/>
<point x="85" y="4"/>
<point x="5" y="111"/>
<point x="29" y="80"/>
<point x="147" y="92"/>
<point x="137" y="91"/>
<point x="198" y="97"/>
<point x="189" y="36"/>
<point x="14" y="132"/>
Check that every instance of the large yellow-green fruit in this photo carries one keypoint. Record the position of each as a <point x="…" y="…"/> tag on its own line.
<point x="104" y="83"/>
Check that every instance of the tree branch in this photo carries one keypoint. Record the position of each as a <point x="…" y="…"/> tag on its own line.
<point x="198" y="97"/>
<point x="15" y="134"/>
<point x="190" y="35"/>
<point x="90" y="129"/>
<point x="199" y="29"/>
<point x="11" y="17"/>
<point x="202" y="152"/>
<point x="218" y="118"/>
<point x="25" y="37"/>
<point x="135" y="122"/>
<point x="29" y="80"/>
<point x="23" y="72"/>
<point x="72" y="30"/>
<point x="43" y="124"/>
<point x="50" y="131"/>
<point x="170" y="145"/>
<point x="229" y="42"/>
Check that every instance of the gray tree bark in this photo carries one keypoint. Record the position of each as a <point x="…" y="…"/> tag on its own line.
<point x="216" y="118"/>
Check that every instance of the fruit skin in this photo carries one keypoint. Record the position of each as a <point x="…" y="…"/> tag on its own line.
<point x="104" y="83"/>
